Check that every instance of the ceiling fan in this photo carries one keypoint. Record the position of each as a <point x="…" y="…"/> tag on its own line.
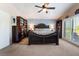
<point x="44" y="7"/>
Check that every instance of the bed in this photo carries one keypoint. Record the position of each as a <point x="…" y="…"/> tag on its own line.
<point x="43" y="35"/>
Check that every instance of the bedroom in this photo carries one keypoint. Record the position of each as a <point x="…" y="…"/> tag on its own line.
<point x="41" y="22"/>
<point x="34" y="25"/>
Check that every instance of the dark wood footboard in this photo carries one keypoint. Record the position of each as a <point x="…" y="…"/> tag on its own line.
<point x="43" y="39"/>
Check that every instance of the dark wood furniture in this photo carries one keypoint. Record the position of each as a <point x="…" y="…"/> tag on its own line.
<point x="19" y="31"/>
<point x="14" y="34"/>
<point x="59" y="28"/>
<point x="35" y="38"/>
<point x="41" y="25"/>
<point x="43" y="39"/>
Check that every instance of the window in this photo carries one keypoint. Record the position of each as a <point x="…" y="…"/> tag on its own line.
<point x="71" y="29"/>
<point x="76" y="29"/>
<point x="68" y="28"/>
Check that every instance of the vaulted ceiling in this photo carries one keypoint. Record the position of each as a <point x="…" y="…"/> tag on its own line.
<point x="31" y="12"/>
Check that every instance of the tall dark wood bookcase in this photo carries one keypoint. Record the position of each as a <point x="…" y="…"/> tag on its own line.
<point x="59" y="28"/>
<point x="19" y="31"/>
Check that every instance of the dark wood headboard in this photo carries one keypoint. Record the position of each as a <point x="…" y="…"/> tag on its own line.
<point x="41" y="25"/>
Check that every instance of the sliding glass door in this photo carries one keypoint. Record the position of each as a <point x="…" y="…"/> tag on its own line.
<point x="68" y="29"/>
<point x="76" y="29"/>
<point x="71" y="29"/>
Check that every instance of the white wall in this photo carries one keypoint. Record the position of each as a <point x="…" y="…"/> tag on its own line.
<point x="5" y="29"/>
<point x="37" y="21"/>
<point x="7" y="10"/>
<point x="71" y="11"/>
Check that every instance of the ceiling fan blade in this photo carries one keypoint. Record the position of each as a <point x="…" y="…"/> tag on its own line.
<point x="50" y="7"/>
<point x="40" y="10"/>
<point x="38" y="6"/>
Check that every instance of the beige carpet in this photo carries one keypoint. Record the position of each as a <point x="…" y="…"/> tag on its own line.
<point x="64" y="49"/>
<point x="24" y="41"/>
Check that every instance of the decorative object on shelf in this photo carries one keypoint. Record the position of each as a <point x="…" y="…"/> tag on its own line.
<point x="77" y="11"/>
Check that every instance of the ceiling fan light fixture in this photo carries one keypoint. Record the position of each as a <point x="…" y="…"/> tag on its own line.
<point x="44" y="9"/>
